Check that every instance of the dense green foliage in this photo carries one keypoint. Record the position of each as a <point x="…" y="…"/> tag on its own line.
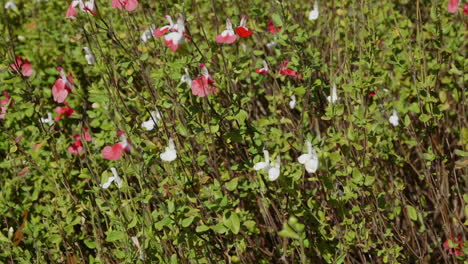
<point x="381" y="194"/>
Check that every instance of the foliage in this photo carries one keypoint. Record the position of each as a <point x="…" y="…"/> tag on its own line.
<point x="381" y="193"/>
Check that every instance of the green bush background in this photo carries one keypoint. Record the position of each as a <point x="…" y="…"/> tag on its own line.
<point x="382" y="194"/>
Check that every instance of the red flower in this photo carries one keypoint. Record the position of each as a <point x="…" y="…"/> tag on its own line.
<point x="452" y="6"/>
<point x="62" y="86"/>
<point x="242" y="30"/>
<point x="128" y="5"/>
<point x="263" y="70"/>
<point x="86" y="135"/>
<point x="465" y="9"/>
<point x="203" y="85"/>
<point x="286" y="71"/>
<point x="227" y="36"/>
<point x="22" y="66"/>
<point x="63" y="111"/>
<point x="4" y="103"/>
<point x="116" y="151"/>
<point x="77" y="146"/>
<point x="454" y="247"/>
<point x="272" y="28"/>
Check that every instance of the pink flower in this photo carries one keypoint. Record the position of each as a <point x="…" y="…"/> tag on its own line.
<point x="84" y="6"/>
<point x="128" y="5"/>
<point x="62" y="86"/>
<point x="63" y="111"/>
<point x="272" y="28"/>
<point x="22" y="66"/>
<point x="263" y="70"/>
<point x="116" y="151"/>
<point x="286" y="71"/>
<point x="452" y="6"/>
<point x="163" y="30"/>
<point x="86" y="135"/>
<point x="203" y="85"/>
<point x="465" y="9"/>
<point x="71" y="11"/>
<point x="90" y="6"/>
<point x="77" y="146"/>
<point x="227" y="36"/>
<point x="454" y="247"/>
<point x="4" y="103"/>
<point x="242" y="30"/>
<point x="177" y="36"/>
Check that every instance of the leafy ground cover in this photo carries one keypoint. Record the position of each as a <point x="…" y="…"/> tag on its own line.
<point x="294" y="132"/>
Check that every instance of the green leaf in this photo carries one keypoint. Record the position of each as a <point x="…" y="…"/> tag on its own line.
<point x="235" y="223"/>
<point x="412" y="212"/>
<point x="424" y="118"/>
<point x="202" y="228"/>
<point x="112" y="236"/>
<point x="232" y="184"/>
<point x="219" y="228"/>
<point x="187" y="221"/>
<point x="288" y="232"/>
<point x="90" y="244"/>
<point x="277" y="20"/>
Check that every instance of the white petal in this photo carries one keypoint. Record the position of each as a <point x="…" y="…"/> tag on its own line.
<point x="118" y="182"/>
<point x="266" y="155"/>
<point x="260" y="166"/>
<point x="292" y="103"/>
<point x="304" y="158"/>
<point x="168" y="155"/>
<point x="314" y="14"/>
<point x="108" y="183"/>
<point x="273" y="174"/>
<point x="148" y="125"/>
<point x="333" y="95"/>
<point x="311" y="165"/>
<point x="11" y="5"/>
<point x="272" y="44"/>
<point x="393" y="120"/>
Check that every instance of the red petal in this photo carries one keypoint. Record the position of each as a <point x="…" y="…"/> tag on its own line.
<point x="112" y="153"/>
<point x="59" y="92"/>
<point x="161" y="31"/>
<point x="243" y="32"/>
<point x="452" y="6"/>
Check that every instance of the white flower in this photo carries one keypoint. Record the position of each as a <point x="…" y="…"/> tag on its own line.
<point x="273" y="169"/>
<point x="263" y="165"/>
<point x="116" y="178"/>
<point x="186" y="78"/>
<point x="11" y="5"/>
<point x="10" y="232"/>
<point x="49" y="120"/>
<point x="169" y="153"/>
<point x="333" y="95"/>
<point x="152" y="121"/>
<point x="394" y="118"/>
<point x="147" y="34"/>
<point x="292" y="103"/>
<point x="272" y="44"/>
<point x="310" y="160"/>
<point x="90" y="6"/>
<point x="244" y="47"/>
<point x="314" y="14"/>
<point x="89" y="56"/>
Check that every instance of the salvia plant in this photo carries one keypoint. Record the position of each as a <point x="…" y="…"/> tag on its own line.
<point x="137" y="131"/>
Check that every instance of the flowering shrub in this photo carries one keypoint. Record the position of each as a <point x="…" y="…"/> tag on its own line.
<point x="244" y="132"/>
